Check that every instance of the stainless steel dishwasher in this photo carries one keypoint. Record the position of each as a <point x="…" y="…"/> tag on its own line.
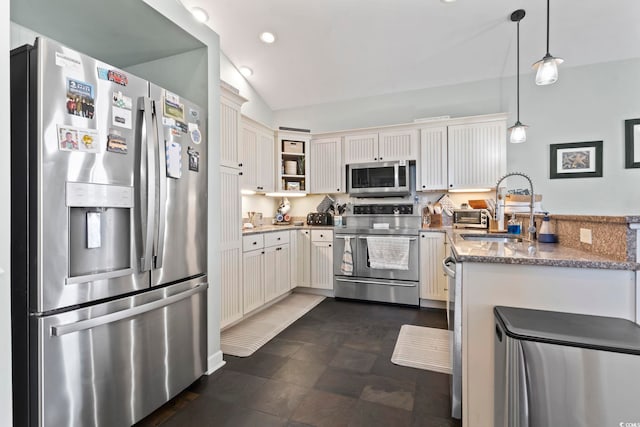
<point x="563" y="369"/>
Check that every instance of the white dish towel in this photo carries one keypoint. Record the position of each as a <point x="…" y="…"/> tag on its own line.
<point x="347" y="258"/>
<point x="388" y="253"/>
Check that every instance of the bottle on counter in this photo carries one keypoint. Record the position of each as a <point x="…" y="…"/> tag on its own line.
<point x="546" y="234"/>
<point x="514" y="226"/>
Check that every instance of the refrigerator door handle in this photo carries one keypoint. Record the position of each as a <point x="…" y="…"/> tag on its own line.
<point x="148" y="182"/>
<point x="162" y="181"/>
<point x="60" y="330"/>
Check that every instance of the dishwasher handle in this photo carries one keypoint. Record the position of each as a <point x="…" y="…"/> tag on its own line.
<point x="446" y="267"/>
<point x="82" y="325"/>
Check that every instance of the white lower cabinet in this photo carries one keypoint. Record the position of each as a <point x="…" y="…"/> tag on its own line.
<point x="253" y="280"/>
<point x="433" y="281"/>
<point x="322" y="259"/>
<point x="300" y="245"/>
<point x="276" y="271"/>
<point x="265" y="267"/>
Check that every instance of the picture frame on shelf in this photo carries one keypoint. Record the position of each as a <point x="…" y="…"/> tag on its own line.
<point x="632" y="143"/>
<point x="575" y="160"/>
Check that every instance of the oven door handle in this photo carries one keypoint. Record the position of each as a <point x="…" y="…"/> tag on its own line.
<point x="373" y="282"/>
<point x="411" y="239"/>
<point x="446" y="267"/>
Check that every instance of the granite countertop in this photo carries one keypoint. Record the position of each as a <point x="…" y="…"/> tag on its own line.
<point x="531" y="253"/>
<point x="273" y="228"/>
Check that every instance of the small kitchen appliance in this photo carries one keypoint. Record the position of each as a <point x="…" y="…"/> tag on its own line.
<point x="471" y="218"/>
<point x="320" y="218"/>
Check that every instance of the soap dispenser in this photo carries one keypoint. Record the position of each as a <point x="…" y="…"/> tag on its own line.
<point x="546" y="234"/>
<point x="514" y="226"/>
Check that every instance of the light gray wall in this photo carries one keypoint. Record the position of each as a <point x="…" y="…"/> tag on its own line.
<point x="184" y="74"/>
<point x="6" y="418"/>
<point x="586" y="104"/>
<point x="255" y="108"/>
<point x="179" y="15"/>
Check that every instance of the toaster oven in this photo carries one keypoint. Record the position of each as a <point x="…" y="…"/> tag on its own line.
<point x="471" y="218"/>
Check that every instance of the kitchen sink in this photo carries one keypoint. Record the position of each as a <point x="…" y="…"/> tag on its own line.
<point x="492" y="237"/>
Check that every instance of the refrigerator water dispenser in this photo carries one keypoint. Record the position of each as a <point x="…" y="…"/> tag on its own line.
<point x="100" y="231"/>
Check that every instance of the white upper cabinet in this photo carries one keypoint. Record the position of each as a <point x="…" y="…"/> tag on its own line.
<point x="398" y="145"/>
<point x="257" y="156"/>
<point x="230" y="103"/>
<point x="381" y="146"/>
<point x="361" y="148"/>
<point x="432" y="167"/>
<point x="248" y="158"/>
<point x="477" y="154"/>
<point x="326" y="174"/>
<point x="266" y="168"/>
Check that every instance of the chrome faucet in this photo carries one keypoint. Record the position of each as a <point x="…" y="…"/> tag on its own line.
<point x="532" y="224"/>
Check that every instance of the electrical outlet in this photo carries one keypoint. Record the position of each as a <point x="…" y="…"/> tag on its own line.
<point x="585" y="235"/>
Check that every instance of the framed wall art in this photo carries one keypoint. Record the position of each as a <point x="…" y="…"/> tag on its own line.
<point x="632" y="143"/>
<point x="576" y="160"/>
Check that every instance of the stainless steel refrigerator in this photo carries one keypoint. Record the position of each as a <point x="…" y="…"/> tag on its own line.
<point x="109" y="225"/>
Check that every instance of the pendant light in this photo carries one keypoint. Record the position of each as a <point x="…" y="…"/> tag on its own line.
<point x="548" y="66"/>
<point x="518" y="132"/>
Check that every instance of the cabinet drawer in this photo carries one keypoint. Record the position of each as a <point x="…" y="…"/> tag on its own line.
<point x="321" y="235"/>
<point x="252" y="241"/>
<point x="275" y="239"/>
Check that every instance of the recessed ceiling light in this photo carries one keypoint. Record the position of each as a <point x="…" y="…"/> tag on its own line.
<point x="447" y="1"/>
<point x="246" y="71"/>
<point x="267" y="37"/>
<point x="200" y="14"/>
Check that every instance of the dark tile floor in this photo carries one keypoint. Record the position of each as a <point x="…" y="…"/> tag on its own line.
<point x="331" y="368"/>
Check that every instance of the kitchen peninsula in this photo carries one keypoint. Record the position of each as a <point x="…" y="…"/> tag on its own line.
<point x="529" y="275"/>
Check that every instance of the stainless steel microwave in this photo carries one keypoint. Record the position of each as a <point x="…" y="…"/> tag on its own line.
<point x="379" y="179"/>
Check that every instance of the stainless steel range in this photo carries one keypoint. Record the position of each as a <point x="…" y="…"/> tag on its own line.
<point x="376" y="254"/>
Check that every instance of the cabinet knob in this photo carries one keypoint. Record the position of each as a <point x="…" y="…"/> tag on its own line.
<point x="424" y="186"/>
<point x="278" y="238"/>
<point x="255" y="243"/>
<point x="450" y="185"/>
<point x="322" y="235"/>
<point x="329" y="245"/>
<point x="380" y="158"/>
<point x="375" y="158"/>
<point x="240" y="165"/>
<point x="239" y="173"/>
<point x="262" y="252"/>
<point x="422" y="236"/>
<point x="337" y="189"/>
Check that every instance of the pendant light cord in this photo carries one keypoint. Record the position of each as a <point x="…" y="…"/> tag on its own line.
<point x="548" y="27"/>
<point x="518" y="71"/>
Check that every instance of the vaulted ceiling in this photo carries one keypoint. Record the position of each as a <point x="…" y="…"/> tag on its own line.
<point x="335" y="50"/>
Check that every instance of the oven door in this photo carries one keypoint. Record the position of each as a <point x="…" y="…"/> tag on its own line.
<point x="364" y="269"/>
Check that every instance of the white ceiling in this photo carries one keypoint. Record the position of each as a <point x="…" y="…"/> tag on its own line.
<point x="335" y="50"/>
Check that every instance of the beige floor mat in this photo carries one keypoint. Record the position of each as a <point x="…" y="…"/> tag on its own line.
<point x="249" y="335"/>
<point x="423" y="348"/>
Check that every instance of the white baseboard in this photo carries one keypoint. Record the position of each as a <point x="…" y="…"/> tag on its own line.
<point x="215" y="362"/>
<point x="429" y="303"/>
<point x="315" y="291"/>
